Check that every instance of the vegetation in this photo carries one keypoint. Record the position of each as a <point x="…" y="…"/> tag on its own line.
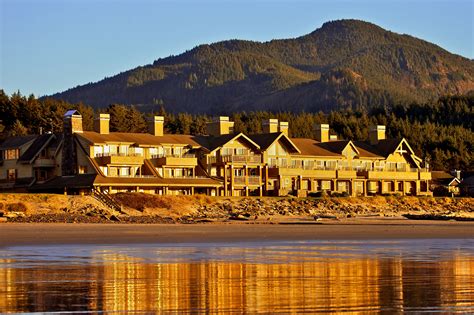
<point x="440" y="132"/>
<point x="346" y="64"/>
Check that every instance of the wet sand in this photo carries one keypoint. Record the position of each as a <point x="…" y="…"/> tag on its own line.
<point x="12" y="234"/>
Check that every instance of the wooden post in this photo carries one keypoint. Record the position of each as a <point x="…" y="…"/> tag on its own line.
<point x="266" y="178"/>
<point x="231" y="180"/>
<point x="225" y="180"/>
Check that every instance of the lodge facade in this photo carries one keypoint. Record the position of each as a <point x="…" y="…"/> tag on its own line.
<point x="222" y="163"/>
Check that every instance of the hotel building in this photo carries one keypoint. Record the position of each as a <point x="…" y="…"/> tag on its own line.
<point x="222" y="163"/>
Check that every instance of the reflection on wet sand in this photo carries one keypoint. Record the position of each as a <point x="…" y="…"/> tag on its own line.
<point x="126" y="283"/>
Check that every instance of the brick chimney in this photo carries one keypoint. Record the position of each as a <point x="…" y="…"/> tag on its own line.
<point x="156" y="125"/>
<point x="376" y="133"/>
<point x="220" y="126"/>
<point x="270" y="125"/>
<point x="72" y="123"/>
<point x="283" y="127"/>
<point x="101" y="124"/>
<point x="322" y="132"/>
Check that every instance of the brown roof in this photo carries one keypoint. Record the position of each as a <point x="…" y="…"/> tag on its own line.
<point x="58" y="183"/>
<point x="312" y="147"/>
<point x="264" y="140"/>
<point x="335" y="146"/>
<point x="213" y="142"/>
<point x="184" y="182"/>
<point x="138" y="138"/>
<point x="387" y="146"/>
<point x="443" y="178"/>
<point x="366" y="150"/>
<point x="16" y="142"/>
<point x="35" y="148"/>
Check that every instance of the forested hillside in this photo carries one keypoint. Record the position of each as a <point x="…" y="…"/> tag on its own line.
<point x="441" y="132"/>
<point x="346" y="64"/>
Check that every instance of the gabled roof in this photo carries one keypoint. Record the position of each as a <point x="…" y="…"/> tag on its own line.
<point x="81" y="181"/>
<point x="265" y="140"/>
<point x="35" y="148"/>
<point x="213" y="143"/>
<point x="141" y="139"/>
<point x="312" y="147"/>
<point x="366" y="150"/>
<point x="16" y="142"/>
<point x="444" y="178"/>
<point x="338" y="146"/>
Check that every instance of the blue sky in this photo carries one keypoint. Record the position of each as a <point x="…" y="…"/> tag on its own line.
<point x="48" y="46"/>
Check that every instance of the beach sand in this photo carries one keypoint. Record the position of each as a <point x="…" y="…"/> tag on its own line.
<point x="13" y="234"/>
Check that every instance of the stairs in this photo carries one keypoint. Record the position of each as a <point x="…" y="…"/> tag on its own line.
<point x="106" y="200"/>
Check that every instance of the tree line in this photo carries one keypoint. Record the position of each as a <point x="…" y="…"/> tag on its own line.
<point x="441" y="132"/>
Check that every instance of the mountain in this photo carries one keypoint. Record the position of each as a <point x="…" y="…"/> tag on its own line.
<point x="343" y="64"/>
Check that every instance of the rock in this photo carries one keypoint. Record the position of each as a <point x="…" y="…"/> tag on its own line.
<point x="3" y="219"/>
<point x="114" y="218"/>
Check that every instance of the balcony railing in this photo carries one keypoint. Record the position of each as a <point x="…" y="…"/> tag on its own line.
<point x="158" y="156"/>
<point x="239" y="180"/>
<point x="107" y="154"/>
<point x="242" y="158"/>
<point x="254" y="180"/>
<point x="131" y="176"/>
<point x="358" y="168"/>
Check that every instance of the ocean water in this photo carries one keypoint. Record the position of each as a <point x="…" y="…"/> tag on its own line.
<point x="388" y="276"/>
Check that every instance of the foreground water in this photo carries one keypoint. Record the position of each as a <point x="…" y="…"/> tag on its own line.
<point x="287" y="277"/>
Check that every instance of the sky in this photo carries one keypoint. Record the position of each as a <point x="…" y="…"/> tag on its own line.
<point x="48" y="46"/>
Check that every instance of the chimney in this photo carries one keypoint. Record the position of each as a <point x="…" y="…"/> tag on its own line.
<point x="156" y="125"/>
<point x="72" y="123"/>
<point x="376" y="133"/>
<point x="456" y="173"/>
<point x="270" y="125"/>
<point x="283" y="127"/>
<point x="322" y="132"/>
<point x="220" y="126"/>
<point x="101" y="124"/>
<point x="333" y="138"/>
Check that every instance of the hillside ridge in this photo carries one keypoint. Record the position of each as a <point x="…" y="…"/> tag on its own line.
<point x="341" y="65"/>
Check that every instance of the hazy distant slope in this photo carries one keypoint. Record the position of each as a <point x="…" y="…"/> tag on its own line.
<point x="345" y="63"/>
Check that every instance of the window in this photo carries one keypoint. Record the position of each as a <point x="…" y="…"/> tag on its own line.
<point x="44" y="154"/>
<point x="326" y="185"/>
<point x="331" y="165"/>
<point x="238" y="172"/>
<point x="240" y="151"/>
<point x="82" y="169"/>
<point x="12" y="154"/>
<point x="177" y="151"/>
<point x="125" y="171"/>
<point x="11" y="174"/>
<point x="227" y="151"/>
<point x="98" y="150"/>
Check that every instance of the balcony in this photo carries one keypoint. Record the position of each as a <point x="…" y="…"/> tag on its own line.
<point x="242" y="159"/>
<point x="397" y="174"/>
<point x="119" y="159"/>
<point x="249" y="180"/>
<point x="185" y="160"/>
<point x="44" y="162"/>
<point x="290" y="171"/>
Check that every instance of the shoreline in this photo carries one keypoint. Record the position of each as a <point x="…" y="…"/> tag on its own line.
<point x="24" y="234"/>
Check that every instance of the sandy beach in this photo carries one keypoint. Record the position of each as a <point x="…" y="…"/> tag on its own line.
<point x="48" y="234"/>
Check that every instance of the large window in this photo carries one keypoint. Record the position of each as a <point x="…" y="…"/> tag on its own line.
<point x="12" y="154"/>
